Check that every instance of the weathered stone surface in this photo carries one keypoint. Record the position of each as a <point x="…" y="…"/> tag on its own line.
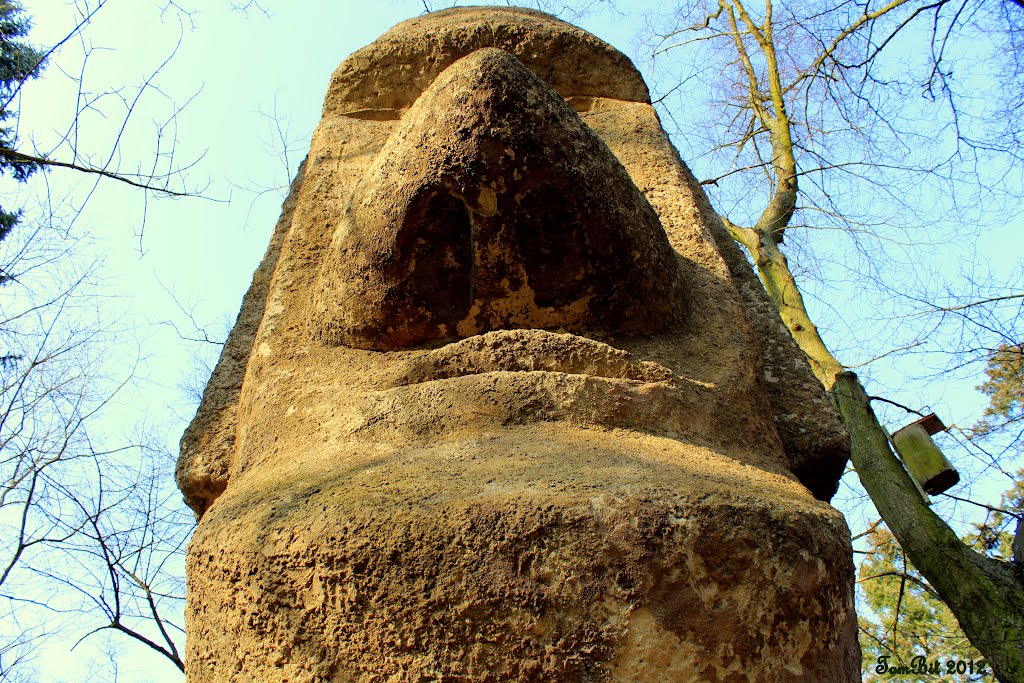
<point x="476" y="473"/>
<point x="387" y="76"/>
<point x="543" y="553"/>
<point x="816" y="440"/>
<point x="493" y="206"/>
<point x="208" y="445"/>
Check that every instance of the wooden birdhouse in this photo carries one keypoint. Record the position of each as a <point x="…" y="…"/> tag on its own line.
<point x="922" y="458"/>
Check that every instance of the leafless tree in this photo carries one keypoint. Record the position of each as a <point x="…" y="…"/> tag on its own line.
<point x="91" y="527"/>
<point x="813" y="127"/>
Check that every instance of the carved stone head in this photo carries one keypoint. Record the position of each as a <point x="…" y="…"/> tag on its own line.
<point x="505" y="403"/>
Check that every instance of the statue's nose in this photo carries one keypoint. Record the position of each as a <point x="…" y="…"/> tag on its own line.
<point x="494" y="206"/>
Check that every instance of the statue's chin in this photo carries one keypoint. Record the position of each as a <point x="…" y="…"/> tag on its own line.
<point x="520" y="548"/>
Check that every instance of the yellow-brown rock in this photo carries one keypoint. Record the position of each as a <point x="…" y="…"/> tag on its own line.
<point x="493" y="206"/>
<point x="504" y="404"/>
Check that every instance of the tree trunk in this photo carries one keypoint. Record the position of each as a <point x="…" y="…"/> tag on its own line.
<point x="986" y="595"/>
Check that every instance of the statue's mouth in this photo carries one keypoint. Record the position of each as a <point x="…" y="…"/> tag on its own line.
<point x="505" y="378"/>
<point x="529" y="351"/>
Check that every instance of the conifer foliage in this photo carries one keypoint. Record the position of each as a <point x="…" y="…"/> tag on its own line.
<point x="19" y="61"/>
<point x="1005" y="389"/>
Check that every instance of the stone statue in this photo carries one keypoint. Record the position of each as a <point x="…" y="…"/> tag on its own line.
<point x="504" y="401"/>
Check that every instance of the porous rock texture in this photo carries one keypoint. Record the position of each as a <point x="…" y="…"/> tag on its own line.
<point x="492" y="205"/>
<point x="503" y="403"/>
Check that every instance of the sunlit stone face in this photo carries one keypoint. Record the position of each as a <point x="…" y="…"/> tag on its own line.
<point x="493" y="206"/>
<point x="494" y="408"/>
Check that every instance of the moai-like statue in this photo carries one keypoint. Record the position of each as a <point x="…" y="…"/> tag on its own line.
<point x="504" y="401"/>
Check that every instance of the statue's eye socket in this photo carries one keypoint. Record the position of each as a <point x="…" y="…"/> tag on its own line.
<point x="440" y="260"/>
<point x="555" y="247"/>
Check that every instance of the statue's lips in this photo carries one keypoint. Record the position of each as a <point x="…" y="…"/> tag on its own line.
<point x="505" y="378"/>
<point x="529" y="351"/>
